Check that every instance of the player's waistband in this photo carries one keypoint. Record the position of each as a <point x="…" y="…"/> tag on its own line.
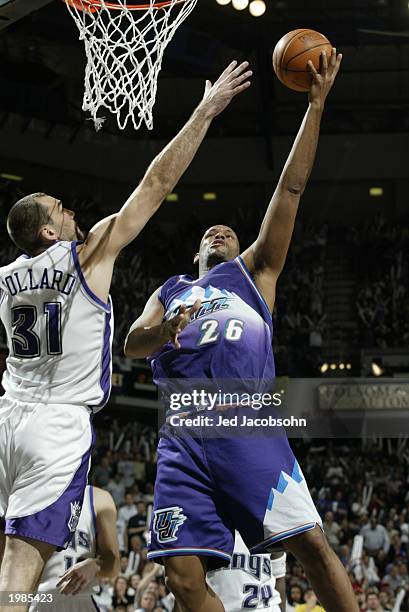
<point x="21" y="401"/>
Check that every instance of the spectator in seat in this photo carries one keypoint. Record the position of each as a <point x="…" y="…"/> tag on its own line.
<point x="116" y="487"/>
<point x="295" y="597"/>
<point x="147" y="602"/>
<point x="332" y="530"/>
<point x="375" y="537"/>
<point x="129" y="509"/>
<point x="373" y="604"/>
<point x="137" y="523"/>
<point x="120" y="596"/>
<point x="311" y="603"/>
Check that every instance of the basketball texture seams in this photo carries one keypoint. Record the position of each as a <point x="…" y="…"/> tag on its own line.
<point x="291" y="55"/>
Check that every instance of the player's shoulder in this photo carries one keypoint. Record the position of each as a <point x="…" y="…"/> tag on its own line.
<point x="8" y="268"/>
<point x="175" y="282"/>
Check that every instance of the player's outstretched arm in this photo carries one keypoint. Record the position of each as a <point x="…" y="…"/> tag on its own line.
<point x="149" y="332"/>
<point x="266" y="256"/>
<point x="107" y="564"/>
<point x="168" y="167"/>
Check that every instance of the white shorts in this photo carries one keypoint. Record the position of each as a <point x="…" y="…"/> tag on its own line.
<point x="45" y="453"/>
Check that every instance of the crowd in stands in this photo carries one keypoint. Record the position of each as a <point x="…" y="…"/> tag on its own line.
<point x="360" y="489"/>
<point x="382" y="268"/>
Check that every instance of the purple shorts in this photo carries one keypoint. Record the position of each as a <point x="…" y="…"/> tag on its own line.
<point x="208" y="487"/>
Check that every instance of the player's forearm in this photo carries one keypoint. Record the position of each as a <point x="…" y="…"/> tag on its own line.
<point x="109" y="566"/>
<point x="159" y="180"/>
<point x="168" y="167"/>
<point x="300" y="162"/>
<point x="144" y="341"/>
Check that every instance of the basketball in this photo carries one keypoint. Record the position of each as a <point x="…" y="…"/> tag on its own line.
<point x="291" y="55"/>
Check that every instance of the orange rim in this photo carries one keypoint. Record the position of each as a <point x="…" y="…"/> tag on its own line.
<point x="94" y="5"/>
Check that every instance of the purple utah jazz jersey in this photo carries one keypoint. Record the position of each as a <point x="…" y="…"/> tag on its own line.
<point x="230" y="337"/>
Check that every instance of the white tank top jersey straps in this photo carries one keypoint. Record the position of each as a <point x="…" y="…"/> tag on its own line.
<point x="82" y="546"/>
<point x="249" y="581"/>
<point x="59" y="332"/>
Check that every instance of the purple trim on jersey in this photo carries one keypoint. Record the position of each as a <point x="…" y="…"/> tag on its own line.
<point x="240" y="262"/>
<point x="106" y="377"/>
<point x="261" y="548"/>
<point x="91" y="504"/>
<point x="51" y="524"/>
<point x="91" y="294"/>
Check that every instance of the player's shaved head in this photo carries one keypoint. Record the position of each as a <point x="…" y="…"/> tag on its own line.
<point x="24" y="221"/>
<point x="218" y="244"/>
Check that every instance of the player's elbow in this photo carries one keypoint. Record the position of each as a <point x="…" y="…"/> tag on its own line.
<point x="131" y="349"/>
<point x="294" y="185"/>
<point x="156" y="186"/>
<point x="128" y="352"/>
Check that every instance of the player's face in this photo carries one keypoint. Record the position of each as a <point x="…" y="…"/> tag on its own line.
<point x="218" y="244"/>
<point x="63" y="219"/>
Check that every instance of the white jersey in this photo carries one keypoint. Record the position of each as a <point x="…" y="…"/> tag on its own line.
<point x="59" y="333"/>
<point x="249" y="581"/>
<point x="82" y="546"/>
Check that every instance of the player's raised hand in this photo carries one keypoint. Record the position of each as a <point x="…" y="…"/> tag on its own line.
<point x="231" y="82"/>
<point x="173" y="327"/>
<point x="323" y="80"/>
<point x="78" y="577"/>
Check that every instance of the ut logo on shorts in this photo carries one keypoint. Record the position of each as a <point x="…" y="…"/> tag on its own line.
<point x="166" y="523"/>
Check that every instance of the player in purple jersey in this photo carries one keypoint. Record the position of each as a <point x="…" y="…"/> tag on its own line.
<point x="219" y="327"/>
<point x="50" y="299"/>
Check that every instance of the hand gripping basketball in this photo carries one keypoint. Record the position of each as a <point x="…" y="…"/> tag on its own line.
<point x="323" y="80"/>
<point x="231" y="82"/>
<point x="173" y="327"/>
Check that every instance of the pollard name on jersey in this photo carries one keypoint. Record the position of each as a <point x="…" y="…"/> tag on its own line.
<point x="59" y="333"/>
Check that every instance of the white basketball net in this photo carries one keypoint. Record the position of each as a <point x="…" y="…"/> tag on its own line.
<point x="124" y="48"/>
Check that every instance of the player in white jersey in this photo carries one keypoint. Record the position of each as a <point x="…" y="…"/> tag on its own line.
<point x="55" y="305"/>
<point x="250" y="581"/>
<point x="68" y="576"/>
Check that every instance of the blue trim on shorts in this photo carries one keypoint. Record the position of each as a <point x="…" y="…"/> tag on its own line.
<point x="91" y="294"/>
<point x="260" y="549"/>
<point x="208" y="552"/>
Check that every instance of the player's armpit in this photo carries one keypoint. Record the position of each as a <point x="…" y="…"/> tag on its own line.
<point x="107" y="541"/>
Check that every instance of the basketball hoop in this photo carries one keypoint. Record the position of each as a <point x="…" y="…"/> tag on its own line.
<point x="124" y="46"/>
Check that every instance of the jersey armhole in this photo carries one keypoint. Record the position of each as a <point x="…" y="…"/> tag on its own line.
<point x="243" y="268"/>
<point x="90" y="294"/>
